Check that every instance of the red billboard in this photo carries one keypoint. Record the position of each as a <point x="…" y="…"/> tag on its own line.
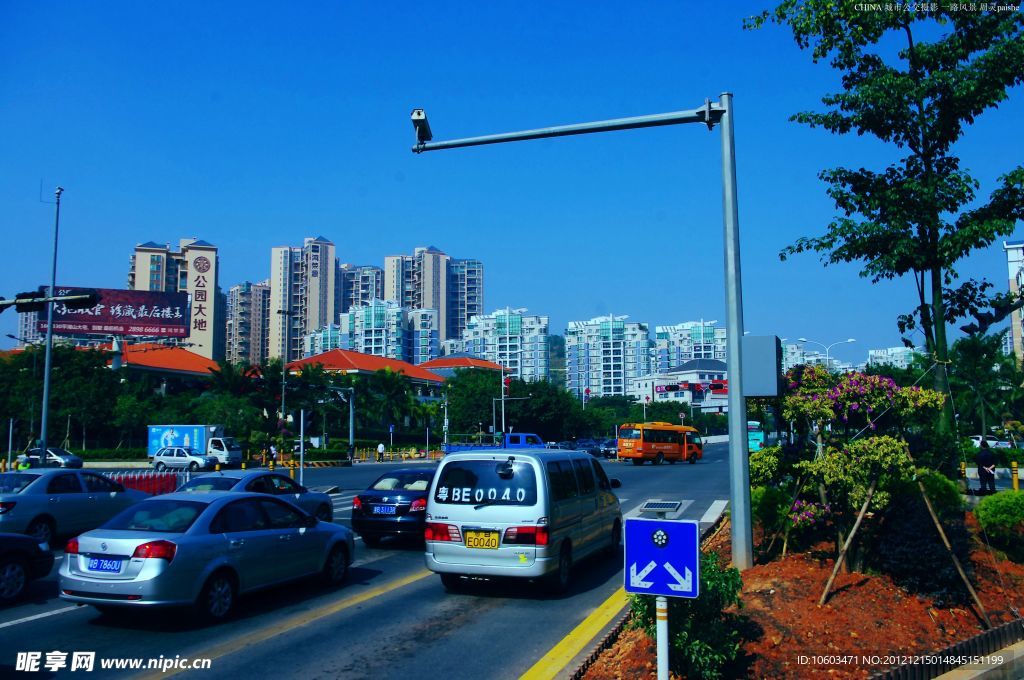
<point x="122" y="312"/>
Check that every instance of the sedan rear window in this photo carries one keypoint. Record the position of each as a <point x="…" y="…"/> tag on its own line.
<point x="15" y="482"/>
<point x="404" y="481"/>
<point x="209" y="484"/>
<point x="160" y="516"/>
<point x="488" y="482"/>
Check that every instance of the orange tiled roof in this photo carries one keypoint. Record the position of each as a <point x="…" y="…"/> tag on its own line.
<point x="166" y="358"/>
<point x="460" y="362"/>
<point x="357" y="362"/>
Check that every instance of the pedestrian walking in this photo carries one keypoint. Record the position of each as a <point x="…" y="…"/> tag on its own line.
<point x="986" y="461"/>
<point x="380" y="452"/>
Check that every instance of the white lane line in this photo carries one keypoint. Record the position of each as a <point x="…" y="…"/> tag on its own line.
<point x="714" y="511"/>
<point x="38" y="616"/>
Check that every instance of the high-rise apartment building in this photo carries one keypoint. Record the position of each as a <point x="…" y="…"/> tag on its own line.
<point x="1015" y="266"/>
<point x="430" y="279"/>
<point x="900" y="357"/>
<point x="383" y="329"/>
<point x="194" y="269"/>
<point x="28" y="329"/>
<point x="511" y="339"/>
<point x="303" y="294"/>
<point x="603" y="354"/>
<point x="248" y="323"/>
<point x="674" y="345"/>
<point x="359" y="285"/>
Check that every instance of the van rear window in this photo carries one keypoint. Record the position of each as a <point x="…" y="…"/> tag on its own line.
<point x="486" y="482"/>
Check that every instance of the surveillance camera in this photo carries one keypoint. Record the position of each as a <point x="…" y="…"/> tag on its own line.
<point x="419" y="122"/>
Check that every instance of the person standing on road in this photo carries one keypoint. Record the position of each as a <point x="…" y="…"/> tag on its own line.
<point x="986" y="461"/>
<point x="380" y="452"/>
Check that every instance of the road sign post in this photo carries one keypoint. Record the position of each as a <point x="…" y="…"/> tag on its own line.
<point x="662" y="558"/>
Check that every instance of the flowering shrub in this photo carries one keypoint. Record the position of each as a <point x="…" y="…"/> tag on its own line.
<point x="847" y="473"/>
<point x="807" y="515"/>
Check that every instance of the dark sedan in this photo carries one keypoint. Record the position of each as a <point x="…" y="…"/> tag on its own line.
<point x="22" y="559"/>
<point x="394" y="505"/>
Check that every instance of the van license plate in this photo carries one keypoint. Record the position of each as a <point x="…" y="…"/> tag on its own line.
<point x="482" y="539"/>
<point x="110" y="566"/>
<point x="383" y="509"/>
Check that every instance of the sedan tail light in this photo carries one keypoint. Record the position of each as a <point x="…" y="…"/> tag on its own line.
<point x="159" y="550"/>
<point x="527" y="535"/>
<point x="72" y="547"/>
<point x="357" y="503"/>
<point x="418" y="505"/>
<point x="434" y="531"/>
<point x="6" y="506"/>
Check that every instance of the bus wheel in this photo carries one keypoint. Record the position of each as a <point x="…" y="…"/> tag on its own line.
<point x="659" y="459"/>
<point x="693" y="458"/>
<point x="638" y="461"/>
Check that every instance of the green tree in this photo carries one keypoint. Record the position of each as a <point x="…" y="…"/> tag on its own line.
<point x="983" y="381"/>
<point x="918" y="216"/>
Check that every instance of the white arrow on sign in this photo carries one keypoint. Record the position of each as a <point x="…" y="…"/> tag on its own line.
<point x="682" y="584"/>
<point x="637" y="580"/>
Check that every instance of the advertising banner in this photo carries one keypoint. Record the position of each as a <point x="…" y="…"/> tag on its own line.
<point x="123" y="312"/>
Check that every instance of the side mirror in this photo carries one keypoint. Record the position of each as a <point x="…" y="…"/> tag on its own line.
<point x="616" y="483"/>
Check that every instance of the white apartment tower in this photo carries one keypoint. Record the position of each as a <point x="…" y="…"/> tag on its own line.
<point x="602" y="355"/>
<point x="512" y="339"/>
<point x="248" y="323"/>
<point x="303" y="294"/>
<point x="359" y="285"/>
<point x="682" y="342"/>
<point x="383" y="329"/>
<point x="1015" y="266"/>
<point x="430" y="279"/>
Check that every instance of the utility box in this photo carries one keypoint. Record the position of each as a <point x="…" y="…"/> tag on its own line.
<point x="762" y="366"/>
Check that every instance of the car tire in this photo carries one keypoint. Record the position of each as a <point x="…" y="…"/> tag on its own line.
<point x="452" y="583"/>
<point x="13" y="579"/>
<point x="324" y="513"/>
<point x="160" y="467"/>
<point x="638" y="461"/>
<point x="616" y="540"/>
<point x="42" y="529"/>
<point x="193" y="467"/>
<point x="217" y="598"/>
<point x="372" y="540"/>
<point x="336" y="566"/>
<point x="659" y="459"/>
<point x="558" y="580"/>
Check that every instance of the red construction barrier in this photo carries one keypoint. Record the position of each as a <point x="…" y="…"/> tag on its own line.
<point x="153" y="483"/>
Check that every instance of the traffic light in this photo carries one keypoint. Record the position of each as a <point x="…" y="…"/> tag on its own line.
<point x="27" y="306"/>
<point x="86" y="299"/>
<point x="508" y="384"/>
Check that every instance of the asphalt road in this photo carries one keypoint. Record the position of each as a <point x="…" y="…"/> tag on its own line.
<point x="391" y="619"/>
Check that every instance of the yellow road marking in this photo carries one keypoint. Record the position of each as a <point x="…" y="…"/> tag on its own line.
<point x="572" y="644"/>
<point x="249" y="639"/>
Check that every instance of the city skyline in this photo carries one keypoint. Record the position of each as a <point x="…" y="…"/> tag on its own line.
<point x="244" y="145"/>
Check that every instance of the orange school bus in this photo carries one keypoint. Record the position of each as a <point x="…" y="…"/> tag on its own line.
<point x="659" y="443"/>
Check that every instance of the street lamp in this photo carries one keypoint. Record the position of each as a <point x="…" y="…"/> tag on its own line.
<point x="44" y="418"/>
<point x="286" y="323"/>
<point x="828" y="363"/>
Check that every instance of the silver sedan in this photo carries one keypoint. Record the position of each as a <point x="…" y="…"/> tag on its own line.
<point x="261" y="481"/>
<point x="46" y="503"/>
<point x="201" y="550"/>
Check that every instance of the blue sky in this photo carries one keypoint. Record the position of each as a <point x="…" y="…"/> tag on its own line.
<point x="256" y="124"/>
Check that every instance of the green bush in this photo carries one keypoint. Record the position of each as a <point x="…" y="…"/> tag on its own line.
<point x="942" y="492"/>
<point x="769" y="507"/>
<point x="703" y="637"/>
<point x="764" y="466"/>
<point x="1002" y="517"/>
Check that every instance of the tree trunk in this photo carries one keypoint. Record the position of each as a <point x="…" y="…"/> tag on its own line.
<point x="849" y="540"/>
<point x="945" y="425"/>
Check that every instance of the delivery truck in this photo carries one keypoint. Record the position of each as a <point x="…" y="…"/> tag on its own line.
<point x="206" y="439"/>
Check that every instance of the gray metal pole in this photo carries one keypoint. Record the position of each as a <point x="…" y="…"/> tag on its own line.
<point x="44" y="419"/>
<point x="302" y="443"/>
<point x="10" y="443"/>
<point x="739" y="468"/>
<point x="351" y="423"/>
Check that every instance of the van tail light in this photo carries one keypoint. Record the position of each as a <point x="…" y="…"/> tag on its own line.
<point x="434" y="531"/>
<point x="72" y="547"/>
<point x="6" y="506"/>
<point x="527" y="535"/>
<point x="357" y="503"/>
<point x="158" y="550"/>
<point x="418" y="505"/>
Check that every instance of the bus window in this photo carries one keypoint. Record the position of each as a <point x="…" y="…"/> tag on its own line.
<point x="629" y="433"/>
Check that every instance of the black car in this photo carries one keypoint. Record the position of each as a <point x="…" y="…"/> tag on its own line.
<point x="22" y="559"/>
<point x="394" y="505"/>
<point x="590" y="446"/>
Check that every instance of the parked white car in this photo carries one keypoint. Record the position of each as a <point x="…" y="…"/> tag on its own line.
<point x="993" y="442"/>
<point x="180" y="458"/>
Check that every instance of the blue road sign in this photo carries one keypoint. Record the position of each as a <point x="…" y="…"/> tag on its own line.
<point x="391" y="428"/>
<point x="662" y="557"/>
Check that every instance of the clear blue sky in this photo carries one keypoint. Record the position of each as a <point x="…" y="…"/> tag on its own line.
<point x="257" y="124"/>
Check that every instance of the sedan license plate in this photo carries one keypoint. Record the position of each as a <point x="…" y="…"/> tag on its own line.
<point x="98" y="564"/>
<point x="383" y="509"/>
<point x="482" y="539"/>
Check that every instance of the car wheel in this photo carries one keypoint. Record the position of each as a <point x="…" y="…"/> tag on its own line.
<point x="558" y="580"/>
<point x="452" y="583"/>
<point x="616" y="539"/>
<point x="193" y="466"/>
<point x="659" y="459"/>
<point x="324" y="513"/>
<point x="217" y="598"/>
<point x="13" y="579"/>
<point x="160" y="467"/>
<point x="638" y="461"/>
<point x="42" y="529"/>
<point x="372" y="540"/>
<point x="336" y="566"/>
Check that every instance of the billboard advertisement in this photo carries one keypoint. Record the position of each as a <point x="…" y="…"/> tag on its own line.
<point x="123" y="312"/>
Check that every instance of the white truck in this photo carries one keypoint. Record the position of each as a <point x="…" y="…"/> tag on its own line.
<point x="207" y="439"/>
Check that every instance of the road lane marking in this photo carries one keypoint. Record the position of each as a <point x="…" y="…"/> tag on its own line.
<point x="714" y="511"/>
<point x="38" y="616"/>
<point x="248" y="639"/>
<point x="552" y="663"/>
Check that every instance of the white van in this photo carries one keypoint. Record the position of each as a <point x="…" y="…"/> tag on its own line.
<point x="528" y="513"/>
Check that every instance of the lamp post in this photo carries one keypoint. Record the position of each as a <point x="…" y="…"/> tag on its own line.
<point x="828" y="363"/>
<point x="45" y="417"/>
<point x="286" y="350"/>
<point x="710" y="115"/>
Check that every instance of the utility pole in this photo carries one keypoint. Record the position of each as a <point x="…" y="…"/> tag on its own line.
<point x="45" y="418"/>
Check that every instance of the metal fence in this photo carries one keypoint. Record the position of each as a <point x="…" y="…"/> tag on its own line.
<point x="986" y="643"/>
<point x="150" y="481"/>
